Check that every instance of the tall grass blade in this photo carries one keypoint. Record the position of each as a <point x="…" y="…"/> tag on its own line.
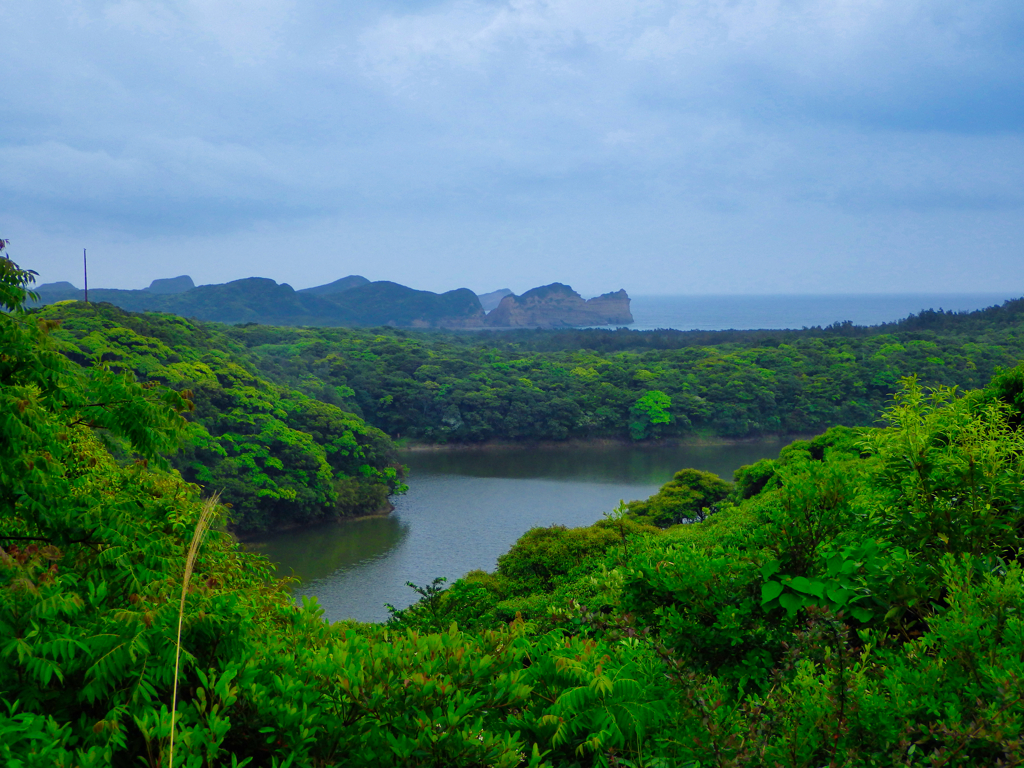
<point x="205" y="517"/>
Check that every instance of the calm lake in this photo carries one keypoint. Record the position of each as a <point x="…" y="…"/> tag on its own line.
<point x="465" y="508"/>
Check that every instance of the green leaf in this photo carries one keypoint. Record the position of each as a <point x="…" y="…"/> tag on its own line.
<point x="791" y="602"/>
<point x="805" y="585"/>
<point x="769" y="591"/>
<point x="835" y="564"/>
<point x="893" y="612"/>
<point x="839" y="595"/>
<point x="861" y="614"/>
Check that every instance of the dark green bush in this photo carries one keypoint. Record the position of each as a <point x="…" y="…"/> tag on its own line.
<point x="690" y="496"/>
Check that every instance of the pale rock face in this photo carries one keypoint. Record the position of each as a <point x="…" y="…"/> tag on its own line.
<point x="558" y="306"/>
<point x="612" y="307"/>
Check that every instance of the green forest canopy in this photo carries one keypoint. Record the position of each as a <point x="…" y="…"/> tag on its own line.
<point x="278" y="456"/>
<point x="854" y="602"/>
<point x="471" y="387"/>
<point x="293" y="424"/>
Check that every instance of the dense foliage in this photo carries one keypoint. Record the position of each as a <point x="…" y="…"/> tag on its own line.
<point x="525" y="385"/>
<point x="450" y="387"/>
<point x="855" y="602"/>
<point x="279" y="457"/>
<point x="93" y="539"/>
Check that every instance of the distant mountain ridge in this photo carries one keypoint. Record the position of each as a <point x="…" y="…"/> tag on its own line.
<point x="338" y="286"/>
<point x="491" y="300"/>
<point x="178" y="284"/>
<point x="356" y="301"/>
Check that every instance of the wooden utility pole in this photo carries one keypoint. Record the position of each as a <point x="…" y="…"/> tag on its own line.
<point x="85" y="269"/>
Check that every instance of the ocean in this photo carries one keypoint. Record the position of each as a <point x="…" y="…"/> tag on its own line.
<point x="717" y="313"/>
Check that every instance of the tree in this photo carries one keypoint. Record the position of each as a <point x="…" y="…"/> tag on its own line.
<point x="690" y="496"/>
<point x="650" y="409"/>
<point x="14" y="282"/>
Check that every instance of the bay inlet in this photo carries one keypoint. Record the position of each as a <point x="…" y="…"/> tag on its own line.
<point x="465" y="508"/>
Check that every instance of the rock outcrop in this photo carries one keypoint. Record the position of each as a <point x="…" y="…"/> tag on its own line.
<point x="559" y="306"/>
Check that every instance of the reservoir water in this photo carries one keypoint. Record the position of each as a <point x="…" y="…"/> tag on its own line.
<point x="464" y="508"/>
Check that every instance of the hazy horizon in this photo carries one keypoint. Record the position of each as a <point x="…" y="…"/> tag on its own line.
<point x="994" y="295"/>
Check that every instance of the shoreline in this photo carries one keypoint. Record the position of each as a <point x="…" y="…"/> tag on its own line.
<point x="598" y="442"/>
<point x="257" y="537"/>
<point x="690" y="441"/>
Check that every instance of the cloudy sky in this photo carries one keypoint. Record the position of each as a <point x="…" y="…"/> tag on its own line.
<point x="698" y="146"/>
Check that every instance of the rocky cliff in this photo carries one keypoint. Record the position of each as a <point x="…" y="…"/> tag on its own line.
<point x="559" y="306"/>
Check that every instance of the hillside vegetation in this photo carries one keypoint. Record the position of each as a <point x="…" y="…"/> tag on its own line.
<point x="280" y="458"/>
<point x="855" y="602"/>
<point x="293" y="423"/>
<point x="466" y="387"/>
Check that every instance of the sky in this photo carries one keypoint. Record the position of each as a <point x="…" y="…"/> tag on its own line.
<point x="694" y="147"/>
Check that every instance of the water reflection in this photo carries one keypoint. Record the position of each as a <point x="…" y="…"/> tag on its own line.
<point x="318" y="551"/>
<point x="466" y="508"/>
<point x="612" y="463"/>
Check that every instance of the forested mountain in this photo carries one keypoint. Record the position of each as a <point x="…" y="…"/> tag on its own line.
<point x="352" y="301"/>
<point x="855" y="602"/>
<point x="557" y="385"/>
<point x="338" y="286"/>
